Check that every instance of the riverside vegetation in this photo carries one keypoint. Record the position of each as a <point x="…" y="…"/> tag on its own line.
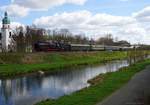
<point x="13" y="64"/>
<point x="101" y="87"/>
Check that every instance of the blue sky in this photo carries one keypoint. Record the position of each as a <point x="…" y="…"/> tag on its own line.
<point x="122" y="18"/>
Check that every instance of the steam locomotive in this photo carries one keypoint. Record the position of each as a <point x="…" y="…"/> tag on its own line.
<point x="59" y="46"/>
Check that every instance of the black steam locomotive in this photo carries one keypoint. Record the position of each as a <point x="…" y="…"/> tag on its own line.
<point x="51" y="46"/>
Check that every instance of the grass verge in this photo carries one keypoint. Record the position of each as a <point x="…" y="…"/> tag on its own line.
<point x="13" y="64"/>
<point x="104" y="86"/>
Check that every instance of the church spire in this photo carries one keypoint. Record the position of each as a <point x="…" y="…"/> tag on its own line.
<point x="6" y="14"/>
<point x="6" y="19"/>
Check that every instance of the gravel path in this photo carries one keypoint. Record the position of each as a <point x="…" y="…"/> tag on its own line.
<point x="135" y="92"/>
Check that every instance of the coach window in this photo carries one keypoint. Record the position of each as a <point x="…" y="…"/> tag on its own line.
<point x="9" y="34"/>
<point x="0" y="36"/>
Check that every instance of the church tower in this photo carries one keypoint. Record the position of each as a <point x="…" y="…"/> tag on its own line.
<point x="6" y="34"/>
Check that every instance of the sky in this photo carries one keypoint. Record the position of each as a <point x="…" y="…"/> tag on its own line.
<point x="124" y="19"/>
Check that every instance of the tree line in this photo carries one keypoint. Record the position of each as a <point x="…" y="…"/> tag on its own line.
<point x="25" y="37"/>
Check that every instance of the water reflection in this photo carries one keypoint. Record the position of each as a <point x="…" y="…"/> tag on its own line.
<point x="134" y="59"/>
<point x="30" y="89"/>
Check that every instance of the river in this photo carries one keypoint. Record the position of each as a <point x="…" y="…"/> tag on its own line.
<point x="28" y="90"/>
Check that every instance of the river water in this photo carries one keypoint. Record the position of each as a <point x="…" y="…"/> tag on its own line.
<point x="28" y="90"/>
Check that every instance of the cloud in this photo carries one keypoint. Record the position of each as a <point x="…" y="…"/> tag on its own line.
<point x="83" y="19"/>
<point x="19" y="8"/>
<point x="15" y="10"/>
<point x="143" y="15"/>
<point x="97" y="25"/>
<point x="46" y="4"/>
<point x="64" y="19"/>
<point x="16" y="24"/>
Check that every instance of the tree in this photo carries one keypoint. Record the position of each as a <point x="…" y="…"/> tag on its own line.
<point x="25" y="37"/>
<point x="19" y="39"/>
<point x="34" y="34"/>
<point x="107" y="40"/>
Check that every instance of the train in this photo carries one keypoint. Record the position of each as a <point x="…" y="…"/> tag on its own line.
<point x="59" y="46"/>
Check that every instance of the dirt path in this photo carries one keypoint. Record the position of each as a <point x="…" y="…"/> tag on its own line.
<point x="135" y="92"/>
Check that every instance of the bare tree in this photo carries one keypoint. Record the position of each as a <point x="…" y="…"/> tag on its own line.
<point x="107" y="40"/>
<point x="19" y="39"/>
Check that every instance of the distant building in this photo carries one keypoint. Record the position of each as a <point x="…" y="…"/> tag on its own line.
<point x="122" y="43"/>
<point x="6" y="35"/>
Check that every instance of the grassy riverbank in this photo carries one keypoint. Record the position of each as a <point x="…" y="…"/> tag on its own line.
<point x="102" y="86"/>
<point x="13" y="64"/>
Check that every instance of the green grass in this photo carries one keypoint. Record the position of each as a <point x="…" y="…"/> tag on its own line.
<point x="13" y="64"/>
<point x="96" y="93"/>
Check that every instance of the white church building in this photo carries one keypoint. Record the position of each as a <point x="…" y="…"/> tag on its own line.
<point x="6" y="35"/>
